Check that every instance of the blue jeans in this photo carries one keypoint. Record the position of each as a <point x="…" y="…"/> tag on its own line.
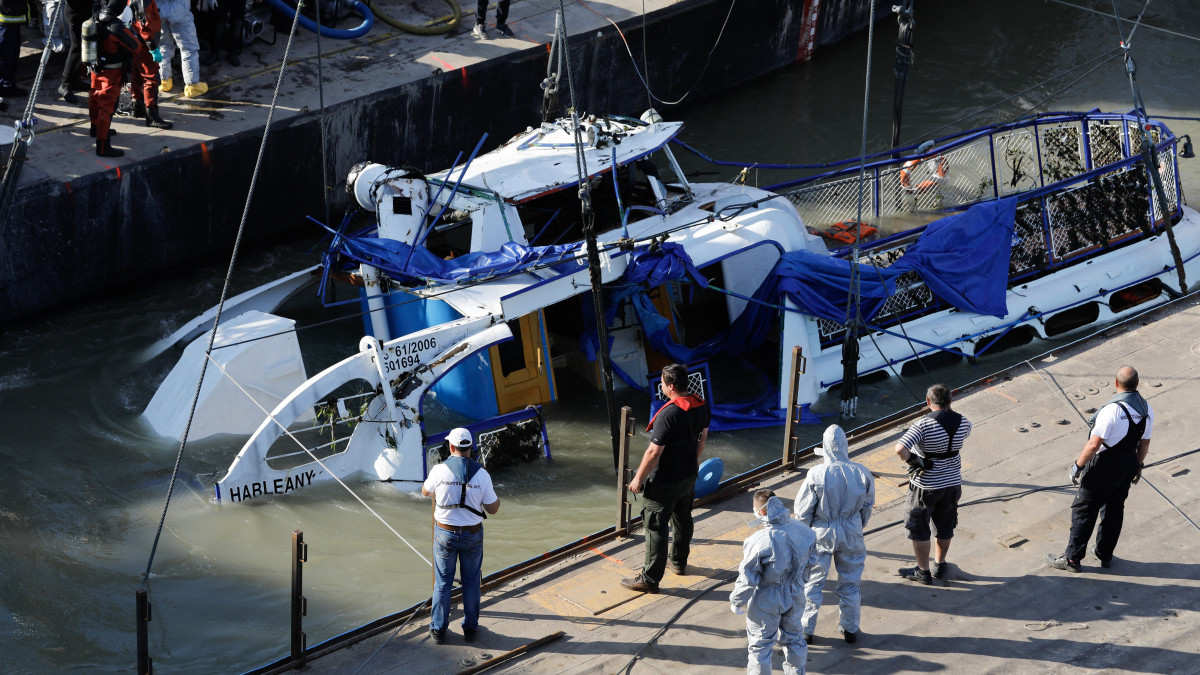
<point x="465" y="548"/>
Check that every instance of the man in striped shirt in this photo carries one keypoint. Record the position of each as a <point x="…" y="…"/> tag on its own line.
<point x="931" y="446"/>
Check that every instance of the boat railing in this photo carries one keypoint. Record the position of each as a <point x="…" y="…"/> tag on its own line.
<point x="1050" y="153"/>
<point x="1082" y="185"/>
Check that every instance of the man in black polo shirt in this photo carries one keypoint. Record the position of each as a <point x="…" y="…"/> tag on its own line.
<point x="667" y="476"/>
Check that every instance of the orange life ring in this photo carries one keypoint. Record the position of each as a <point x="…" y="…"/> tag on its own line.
<point x="940" y="169"/>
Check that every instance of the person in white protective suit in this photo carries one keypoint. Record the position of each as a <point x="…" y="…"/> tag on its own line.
<point x="770" y="586"/>
<point x="179" y="30"/>
<point x="836" y="500"/>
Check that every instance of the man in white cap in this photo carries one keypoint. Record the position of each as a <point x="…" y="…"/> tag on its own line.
<point x="463" y="494"/>
<point x="835" y="501"/>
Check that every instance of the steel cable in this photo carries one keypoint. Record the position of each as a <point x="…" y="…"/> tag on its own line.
<point x="224" y="291"/>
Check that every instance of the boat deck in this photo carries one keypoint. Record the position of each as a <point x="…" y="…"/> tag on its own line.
<point x="1001" y="609"/>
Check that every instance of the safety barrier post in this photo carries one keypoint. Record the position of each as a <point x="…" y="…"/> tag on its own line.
<point x="623" y="508"/>
<point x="145" y="664"/>
<point x="299" y="602"/>
<point x="789" y="437"/>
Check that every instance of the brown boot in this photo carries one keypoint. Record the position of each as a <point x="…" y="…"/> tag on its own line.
<point x="153" y="119"/>
<point x="104" y="148"/>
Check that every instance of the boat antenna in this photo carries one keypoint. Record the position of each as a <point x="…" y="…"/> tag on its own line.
<point x="853" y="306"/>
<point x="589" y="233"/>
<point x="1149" y="152"/>
<point x="904" y="60"/>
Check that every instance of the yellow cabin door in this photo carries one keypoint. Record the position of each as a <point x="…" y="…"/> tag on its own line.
<point x="521" y="367"/>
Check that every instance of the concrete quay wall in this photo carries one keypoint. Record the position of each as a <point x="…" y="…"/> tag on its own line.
<point x="71" y="238"/>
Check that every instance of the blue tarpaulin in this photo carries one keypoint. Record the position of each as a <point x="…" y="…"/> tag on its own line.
<point x="402" y="261"/>
<point x="963" y="259"/>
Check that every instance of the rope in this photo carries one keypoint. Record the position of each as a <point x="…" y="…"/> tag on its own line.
<point x="1114" y="16"/>
<point x="632" y="60"/>
<point x="394" y="634"/>
<point x="224" y="291"/>
<point x="316" y="459"/>
<point x="1144" y="478"/>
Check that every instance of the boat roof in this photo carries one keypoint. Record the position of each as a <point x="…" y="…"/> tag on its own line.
<point x="543" y="159"/>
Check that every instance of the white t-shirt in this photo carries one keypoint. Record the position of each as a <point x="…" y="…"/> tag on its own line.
<point x="447" y="490"/>
<point x="1112" y="425"/>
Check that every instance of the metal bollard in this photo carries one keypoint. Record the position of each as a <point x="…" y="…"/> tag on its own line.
<point x="299" y="602"/>
<point x="145" y="665"/>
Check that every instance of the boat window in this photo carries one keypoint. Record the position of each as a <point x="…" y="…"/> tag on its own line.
<point x="556" y="218"/>
<point x="512" y="352"/>
<point x="336" y="417"/>
<point x="451" y="235"/>
<point x="701" y="313"/>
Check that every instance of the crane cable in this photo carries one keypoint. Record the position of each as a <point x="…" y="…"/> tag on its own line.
<point x="316" y="459"/>
<point x="224" y="290"/>
<point x="23" y="136"/>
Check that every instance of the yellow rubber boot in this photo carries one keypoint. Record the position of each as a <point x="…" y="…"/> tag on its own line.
<point x="194" y="90"/>
<point x="166" y="85"/>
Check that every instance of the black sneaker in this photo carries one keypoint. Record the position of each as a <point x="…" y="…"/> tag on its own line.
<point x="939" y="570"/>
<point x="1061" y="563"/>
<point x="849" y="636"/>
<point x="470" y="633"/>
<point x="808" y="639"/>
<point x="504" y="30"/>
<point x="1105" y="563"/>
<point x="637" y="585"/>
<point x="438" y="636"/>
<point x="916" y="574"/>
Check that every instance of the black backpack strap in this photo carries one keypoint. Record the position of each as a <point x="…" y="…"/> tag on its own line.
<point x="1133" y="433"/>
<point x="949" y="421"/>
<point x="473" y="468"/>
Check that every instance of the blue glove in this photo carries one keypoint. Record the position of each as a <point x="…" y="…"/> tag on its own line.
<point x="156" y="54"/>
<point x="1073" y="472"/>
<point x="737" y="609"/>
